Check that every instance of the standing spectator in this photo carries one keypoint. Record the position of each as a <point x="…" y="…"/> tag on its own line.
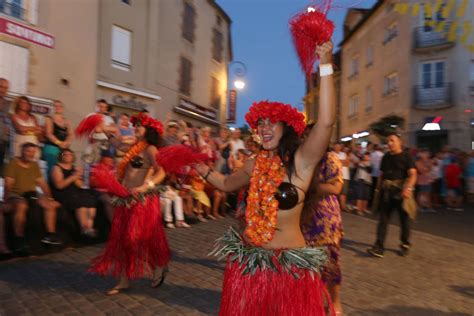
<point x="206" y="144"/>
<point x="424" y="181"/>
<point x="25" y="125"/>
<point x="470" y="177"/>
<point x="453" y="174"/>
<point x="66" y="185"/>
<point x="22" y="175"/>
<point x="363" y="178"/>
<point x="224" y="149"/>
<point x="170" y="199"/>
<point x="436" y="176"/>
<point x="345" y="174"/>
<point x="126" y="133"/>
<point x="58" y="135"/>
<point x="171" y="134"/>
<point x="396" y="182"/>
<point x="5" y="122"/>
<point x="236" y="142"/>
<point x="375" y="159"/>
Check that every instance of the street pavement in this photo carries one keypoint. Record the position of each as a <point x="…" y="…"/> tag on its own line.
<point x="435" y="279"/>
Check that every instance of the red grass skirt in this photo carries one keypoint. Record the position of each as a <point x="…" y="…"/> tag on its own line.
<point x="272" y="293"/>
<point x="137" y="242"/>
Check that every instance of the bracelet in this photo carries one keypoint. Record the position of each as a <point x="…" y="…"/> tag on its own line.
<point x="207" y="174"/>
<point x="325" y="70"/>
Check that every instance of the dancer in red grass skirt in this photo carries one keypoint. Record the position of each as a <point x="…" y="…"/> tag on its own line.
<point x="137" y="244"/>
<point x="269" y="270"/>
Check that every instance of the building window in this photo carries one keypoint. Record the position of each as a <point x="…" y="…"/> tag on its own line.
<point x="353" y="105"/>
<point x="354" y="67"/>
<point x="432" y="74"/>
<point x="189" y="22"/>
<point x="369" y="99"/>
<point x="215" y="97"/>
<point x="129" y="2"/>
<point x="219" y="20"/>
<point x="429" y="18"/>
<point x="185" y="76"/>
<point x="121" y="48"/>
<point x="391" y="32"/>
<point x="12" y="8"/>
<point x="217" y="46"/>
<point x="370" y="55"/>
<point x="390" y="84"/>
<point x="14" y="66"/>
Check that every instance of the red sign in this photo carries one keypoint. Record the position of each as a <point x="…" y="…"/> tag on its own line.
<point x="26" y="33"/>
<point x="231" y="115"/>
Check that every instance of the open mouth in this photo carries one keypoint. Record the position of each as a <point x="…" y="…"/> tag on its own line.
<point x="267" y="138"/>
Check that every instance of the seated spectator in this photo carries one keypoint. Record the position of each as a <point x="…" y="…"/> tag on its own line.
<point x="168" y="199"/>
<point x="171" y="136"/>
<point x="22" y="175"/>
<point x="198" y="185"/>
<point x="66" y="184"/>
<point x="107" y="161"/>
<point x="26" y="127"/>
<point x="4" y="251"/>
<point x="184" y="191"/>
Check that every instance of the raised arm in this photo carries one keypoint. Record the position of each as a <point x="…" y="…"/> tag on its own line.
<point x="314" y="147"/>
<point x="229" y="183"/>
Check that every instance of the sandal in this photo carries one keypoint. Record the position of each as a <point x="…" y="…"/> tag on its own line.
<point x="117" y="290"/>
<point x="157" y="282"/>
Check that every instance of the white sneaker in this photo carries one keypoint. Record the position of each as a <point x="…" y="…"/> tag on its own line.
<point x="202" y="219"/>
<point x="170" y="225"/>
<point x="182" y="225"/>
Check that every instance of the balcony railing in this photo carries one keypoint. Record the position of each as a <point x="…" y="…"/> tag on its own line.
<point x="433" y="97"/>
<point x="428" y="38"/>
<point x="12" y="9"/>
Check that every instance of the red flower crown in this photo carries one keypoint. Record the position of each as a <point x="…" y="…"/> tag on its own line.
<point x="276" y="112"/>
<point x="147" y="121"/>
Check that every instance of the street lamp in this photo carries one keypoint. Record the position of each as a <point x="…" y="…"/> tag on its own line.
<point x="239" y="70"/>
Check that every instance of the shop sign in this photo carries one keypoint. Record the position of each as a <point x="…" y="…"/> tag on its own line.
<point x="26" y="33"/>
<point x="131" y="103"/>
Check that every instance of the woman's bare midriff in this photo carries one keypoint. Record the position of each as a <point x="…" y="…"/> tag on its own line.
<point x="135" y="177"/>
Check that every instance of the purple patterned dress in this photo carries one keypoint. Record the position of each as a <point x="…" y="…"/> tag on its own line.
<point x="322" y="226"/>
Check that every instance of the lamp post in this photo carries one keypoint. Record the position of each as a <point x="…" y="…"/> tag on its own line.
<point x="239" y="70"/>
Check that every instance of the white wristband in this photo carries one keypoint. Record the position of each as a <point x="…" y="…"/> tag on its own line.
<point x="325" y="70"/>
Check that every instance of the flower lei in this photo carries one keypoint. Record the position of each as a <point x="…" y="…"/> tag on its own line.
<point x="147" y="121"/>
<point x="132" y="152"/>
<point x="276" y="112"/>
<point x="262" y="207"/>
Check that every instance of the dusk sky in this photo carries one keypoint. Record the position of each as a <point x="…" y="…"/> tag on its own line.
<point x="262" y="41"/>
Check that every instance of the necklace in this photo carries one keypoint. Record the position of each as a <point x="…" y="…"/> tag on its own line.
<point x="262" y="207"/>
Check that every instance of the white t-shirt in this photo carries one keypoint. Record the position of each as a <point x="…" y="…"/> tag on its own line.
<point x="375" y="160"/>
<point x="236" y="145"/>
<point x="345" y="170"/>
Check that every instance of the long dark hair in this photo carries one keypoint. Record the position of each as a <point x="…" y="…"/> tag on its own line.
<point x="289" y="143"/>
<point x="152" y="137"/>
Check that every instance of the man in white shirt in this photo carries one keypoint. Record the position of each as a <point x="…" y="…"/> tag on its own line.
<point x="236" y="142"/>
<point x="345" y="174"/>
<point x="375" y="160"/>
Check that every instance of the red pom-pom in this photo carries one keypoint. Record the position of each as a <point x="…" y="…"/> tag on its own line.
<point x="88" y="125"/>
<point x="174" y="158"/>
<point x="103" y="178"/>
<point x="310" y="29"/>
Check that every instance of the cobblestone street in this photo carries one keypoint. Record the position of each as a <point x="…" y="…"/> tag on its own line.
<point x="436" y="279"/>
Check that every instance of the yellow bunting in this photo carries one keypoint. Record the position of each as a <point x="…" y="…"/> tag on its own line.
<point x="401" y="7"/>
<point x="415" y="9"/>
<point x="428" y="10"/>
<point x="462" y="9"/>
<point x="467" y="29"/>
<point x="440" y="27"/>
<point x="453" y="32"/>
<point x="447" y="9"/>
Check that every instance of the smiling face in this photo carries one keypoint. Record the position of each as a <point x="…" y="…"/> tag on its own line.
<point x="270" y="133"/>
<point x="140" y="131"/>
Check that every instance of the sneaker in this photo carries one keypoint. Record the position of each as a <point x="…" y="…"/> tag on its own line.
<point x="51" y="239"/>
<point x="202" y="219"/>
<point x="404" y="250"/>
<point x="170" y="225"/>
<point x="183" y="224"/>
<point x="90" y="233"/>
<point x="376" y="251"/>
<point x="211" y="217"/>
